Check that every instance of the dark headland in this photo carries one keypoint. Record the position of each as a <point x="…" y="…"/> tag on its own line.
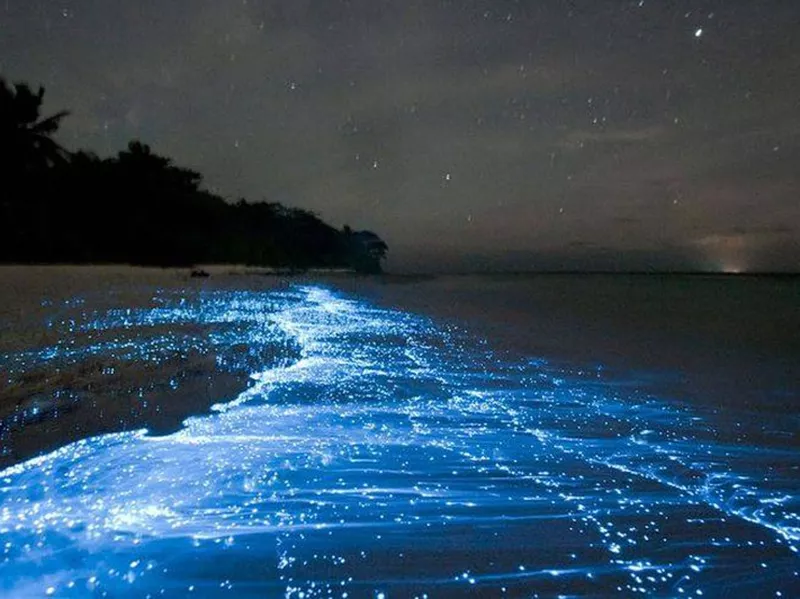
<point x="139" y="208"/>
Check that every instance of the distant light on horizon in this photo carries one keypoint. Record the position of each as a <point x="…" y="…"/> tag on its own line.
<point x="732" y="267"/>
<point x="729" y="253"/>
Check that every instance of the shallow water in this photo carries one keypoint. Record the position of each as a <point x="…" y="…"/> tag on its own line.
<point x="393" y="456"/>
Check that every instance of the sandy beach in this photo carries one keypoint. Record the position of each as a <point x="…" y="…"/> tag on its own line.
<point x="64" y="394"/>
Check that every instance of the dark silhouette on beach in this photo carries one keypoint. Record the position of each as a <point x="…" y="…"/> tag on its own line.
<point x="139" y="208"/>
<point x="365" y="249"/>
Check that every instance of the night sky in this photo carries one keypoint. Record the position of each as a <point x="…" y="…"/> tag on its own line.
<point x="469" y="134"/>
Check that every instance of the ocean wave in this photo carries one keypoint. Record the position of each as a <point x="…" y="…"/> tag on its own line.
<point x="386" y="454"/>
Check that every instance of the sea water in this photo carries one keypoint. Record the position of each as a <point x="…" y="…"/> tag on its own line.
<point x="392" y="456"/>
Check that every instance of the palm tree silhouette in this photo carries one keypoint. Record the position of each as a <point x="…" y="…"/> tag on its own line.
<point x="26" y="143"/>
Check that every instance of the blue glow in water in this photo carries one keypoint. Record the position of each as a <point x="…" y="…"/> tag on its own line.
<point x="389" y="457"/>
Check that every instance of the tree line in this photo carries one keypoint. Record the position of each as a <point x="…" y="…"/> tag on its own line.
<point x="140" y="208"/>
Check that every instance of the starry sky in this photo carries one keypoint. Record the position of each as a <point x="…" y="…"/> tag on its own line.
<point x="470" y="134"/>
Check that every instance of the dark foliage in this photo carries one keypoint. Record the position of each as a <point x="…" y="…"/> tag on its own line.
<point x="365" y="249"/>
<point x="140" y="208"/>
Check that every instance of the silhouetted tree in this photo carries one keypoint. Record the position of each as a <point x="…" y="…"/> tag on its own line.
<point x="26" y="143"/>
<point x="27" y="154"/>
<point x="365" y="250"/>
<point x="140" y="208"/>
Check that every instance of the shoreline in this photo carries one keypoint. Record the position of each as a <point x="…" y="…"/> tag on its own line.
<point x="534" y="321"/>
<point x="697" y="338"/>
<point x="66" y="377"/>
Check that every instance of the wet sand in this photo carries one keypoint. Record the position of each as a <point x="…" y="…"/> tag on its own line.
<point x="54" y="389"/>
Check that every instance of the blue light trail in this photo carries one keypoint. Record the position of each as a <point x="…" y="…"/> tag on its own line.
<point x="378" y="454"/>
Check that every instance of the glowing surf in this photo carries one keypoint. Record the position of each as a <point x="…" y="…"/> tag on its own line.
<point x="389" y="456"/>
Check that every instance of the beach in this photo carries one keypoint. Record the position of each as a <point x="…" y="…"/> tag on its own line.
<point x="560" y="434"/>
<point x="66" y="378"/>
